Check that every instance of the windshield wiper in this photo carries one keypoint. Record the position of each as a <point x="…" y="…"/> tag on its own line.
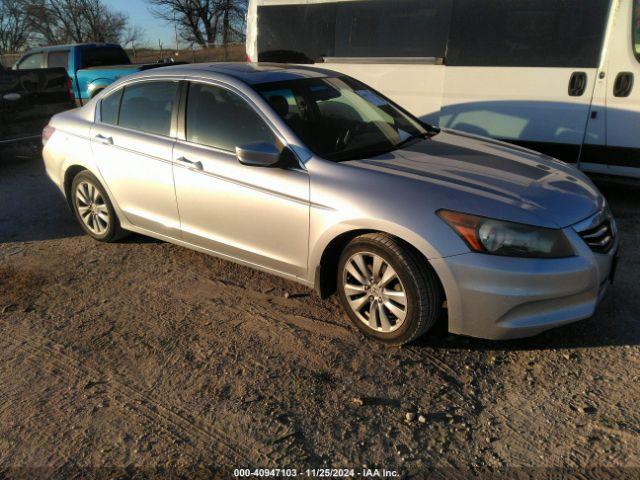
<point x="413" y="136"/>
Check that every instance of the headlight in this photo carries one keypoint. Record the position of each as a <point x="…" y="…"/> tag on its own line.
<point x="497" y="237"/>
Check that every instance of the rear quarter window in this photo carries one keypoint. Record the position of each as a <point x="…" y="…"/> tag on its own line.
<point x="110" y="107"/>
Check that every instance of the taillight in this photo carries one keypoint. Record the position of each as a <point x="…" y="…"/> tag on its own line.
<point x="70" y="89"/>
<point x="248" y="58"/>
<point x="46" y="134"/>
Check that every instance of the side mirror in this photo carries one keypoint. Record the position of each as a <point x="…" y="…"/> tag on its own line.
<point x="258" y="154"/>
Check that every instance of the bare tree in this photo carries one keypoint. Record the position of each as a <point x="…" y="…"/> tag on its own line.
<point x="14" y="34"/>
<point x="204" y="22"/>
<point x="132" y="37"/>
<point x="63" y="21"/>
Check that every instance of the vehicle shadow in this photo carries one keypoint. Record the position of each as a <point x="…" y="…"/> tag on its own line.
<point x="31" y="207"/>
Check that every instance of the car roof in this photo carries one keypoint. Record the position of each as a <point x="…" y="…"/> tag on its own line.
<point x="250" y="73"/>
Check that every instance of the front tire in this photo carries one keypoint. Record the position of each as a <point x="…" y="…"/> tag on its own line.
<point x="93" y="209"/>
<point x="386" y="290"/>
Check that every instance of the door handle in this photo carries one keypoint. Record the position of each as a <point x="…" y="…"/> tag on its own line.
<point x="191" y="163"/>
<point x="104" y="140"/>
<point x="577" y="84"/>
<point x="623" y="85"/>
<point x="12" y="97"/>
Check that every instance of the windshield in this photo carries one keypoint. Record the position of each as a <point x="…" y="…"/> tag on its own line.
<point x="341" y="118"/>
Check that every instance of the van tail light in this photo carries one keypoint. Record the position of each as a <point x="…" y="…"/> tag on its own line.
<point x="46" y="134"/>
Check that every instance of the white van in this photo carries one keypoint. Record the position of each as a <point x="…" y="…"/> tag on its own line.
<point x="557" y="76"/>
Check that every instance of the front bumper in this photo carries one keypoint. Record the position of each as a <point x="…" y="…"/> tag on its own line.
<point x="504" y="298"/>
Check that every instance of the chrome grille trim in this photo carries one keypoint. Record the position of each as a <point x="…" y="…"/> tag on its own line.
<point x="598" y="232"/>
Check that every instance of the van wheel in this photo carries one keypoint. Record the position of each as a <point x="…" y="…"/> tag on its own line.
<point x="387" y="292"/>
<point x="93" y="208"/>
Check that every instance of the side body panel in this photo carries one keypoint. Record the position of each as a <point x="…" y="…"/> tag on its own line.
<point x="138" y="169"/>
<point x="254" y="214"/>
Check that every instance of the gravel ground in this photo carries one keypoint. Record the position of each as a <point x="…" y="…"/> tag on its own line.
<point x="142" y="359"/>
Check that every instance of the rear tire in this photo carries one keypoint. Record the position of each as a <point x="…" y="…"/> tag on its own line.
<point x="387" y="290"/>
<point x="93" y="209"/>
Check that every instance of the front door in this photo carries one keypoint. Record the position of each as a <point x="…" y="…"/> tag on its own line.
<point x="133" y="147"/>
<point x="256" y="215"/>
<point x="525" y="71"/>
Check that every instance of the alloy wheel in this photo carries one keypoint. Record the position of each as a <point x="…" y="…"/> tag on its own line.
<point x="92" y="208"/>
<point x="374" y="292"/>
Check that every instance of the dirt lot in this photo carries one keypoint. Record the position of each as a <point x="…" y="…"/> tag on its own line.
<point x="141" y="358"/>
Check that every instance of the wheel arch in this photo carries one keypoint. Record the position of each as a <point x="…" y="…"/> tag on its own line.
<point x="325" y="275"/>
<point x="70" y="173"/>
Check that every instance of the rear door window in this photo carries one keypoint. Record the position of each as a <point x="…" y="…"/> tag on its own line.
<point x="221" y="119"/>
<point x="58" y="59"/>
<point x="528" y="33"/>
<point x="35" y="60"/>
<point x="148" y="107"/>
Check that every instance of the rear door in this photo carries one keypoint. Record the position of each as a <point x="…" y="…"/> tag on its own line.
<point x="525" y="72"/>
<point x="132" y="144"/>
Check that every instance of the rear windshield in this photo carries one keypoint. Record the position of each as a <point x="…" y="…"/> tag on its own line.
<point x="104" y="56"/>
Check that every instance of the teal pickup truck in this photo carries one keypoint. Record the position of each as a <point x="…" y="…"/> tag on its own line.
<point x="91" y="66"/>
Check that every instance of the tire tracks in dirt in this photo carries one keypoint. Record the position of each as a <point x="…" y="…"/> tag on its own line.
<point x="175" y="421"/>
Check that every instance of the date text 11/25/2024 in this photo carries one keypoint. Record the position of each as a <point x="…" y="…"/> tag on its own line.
<point x="316" y="473"/>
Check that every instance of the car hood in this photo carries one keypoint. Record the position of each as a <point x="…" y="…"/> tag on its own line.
<point x="493" y="172"/>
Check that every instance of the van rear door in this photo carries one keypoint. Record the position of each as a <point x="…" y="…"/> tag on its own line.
<point x="525" y="71"/>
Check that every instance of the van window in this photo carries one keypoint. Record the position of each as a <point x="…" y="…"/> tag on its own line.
<point x="527" y="33"/>
<point x="221" y="119"/>
<point x="148" y="107"/>
<point x="58" y="59"/>
<point x="296" y="33"/>
<point x="419" y="28"/>
<point x="35" y="60"/>
<point x="372" y="28"/>
<point x="109" y="108"/>
<point x="636" y="28"/>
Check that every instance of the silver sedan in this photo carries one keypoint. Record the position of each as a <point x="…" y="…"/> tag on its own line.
<point x="314" y="176"/>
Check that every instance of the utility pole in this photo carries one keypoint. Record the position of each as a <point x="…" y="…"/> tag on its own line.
<point x="175" y="29"/>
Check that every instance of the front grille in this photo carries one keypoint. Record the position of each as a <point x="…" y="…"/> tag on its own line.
<point x="600" y="238"/>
